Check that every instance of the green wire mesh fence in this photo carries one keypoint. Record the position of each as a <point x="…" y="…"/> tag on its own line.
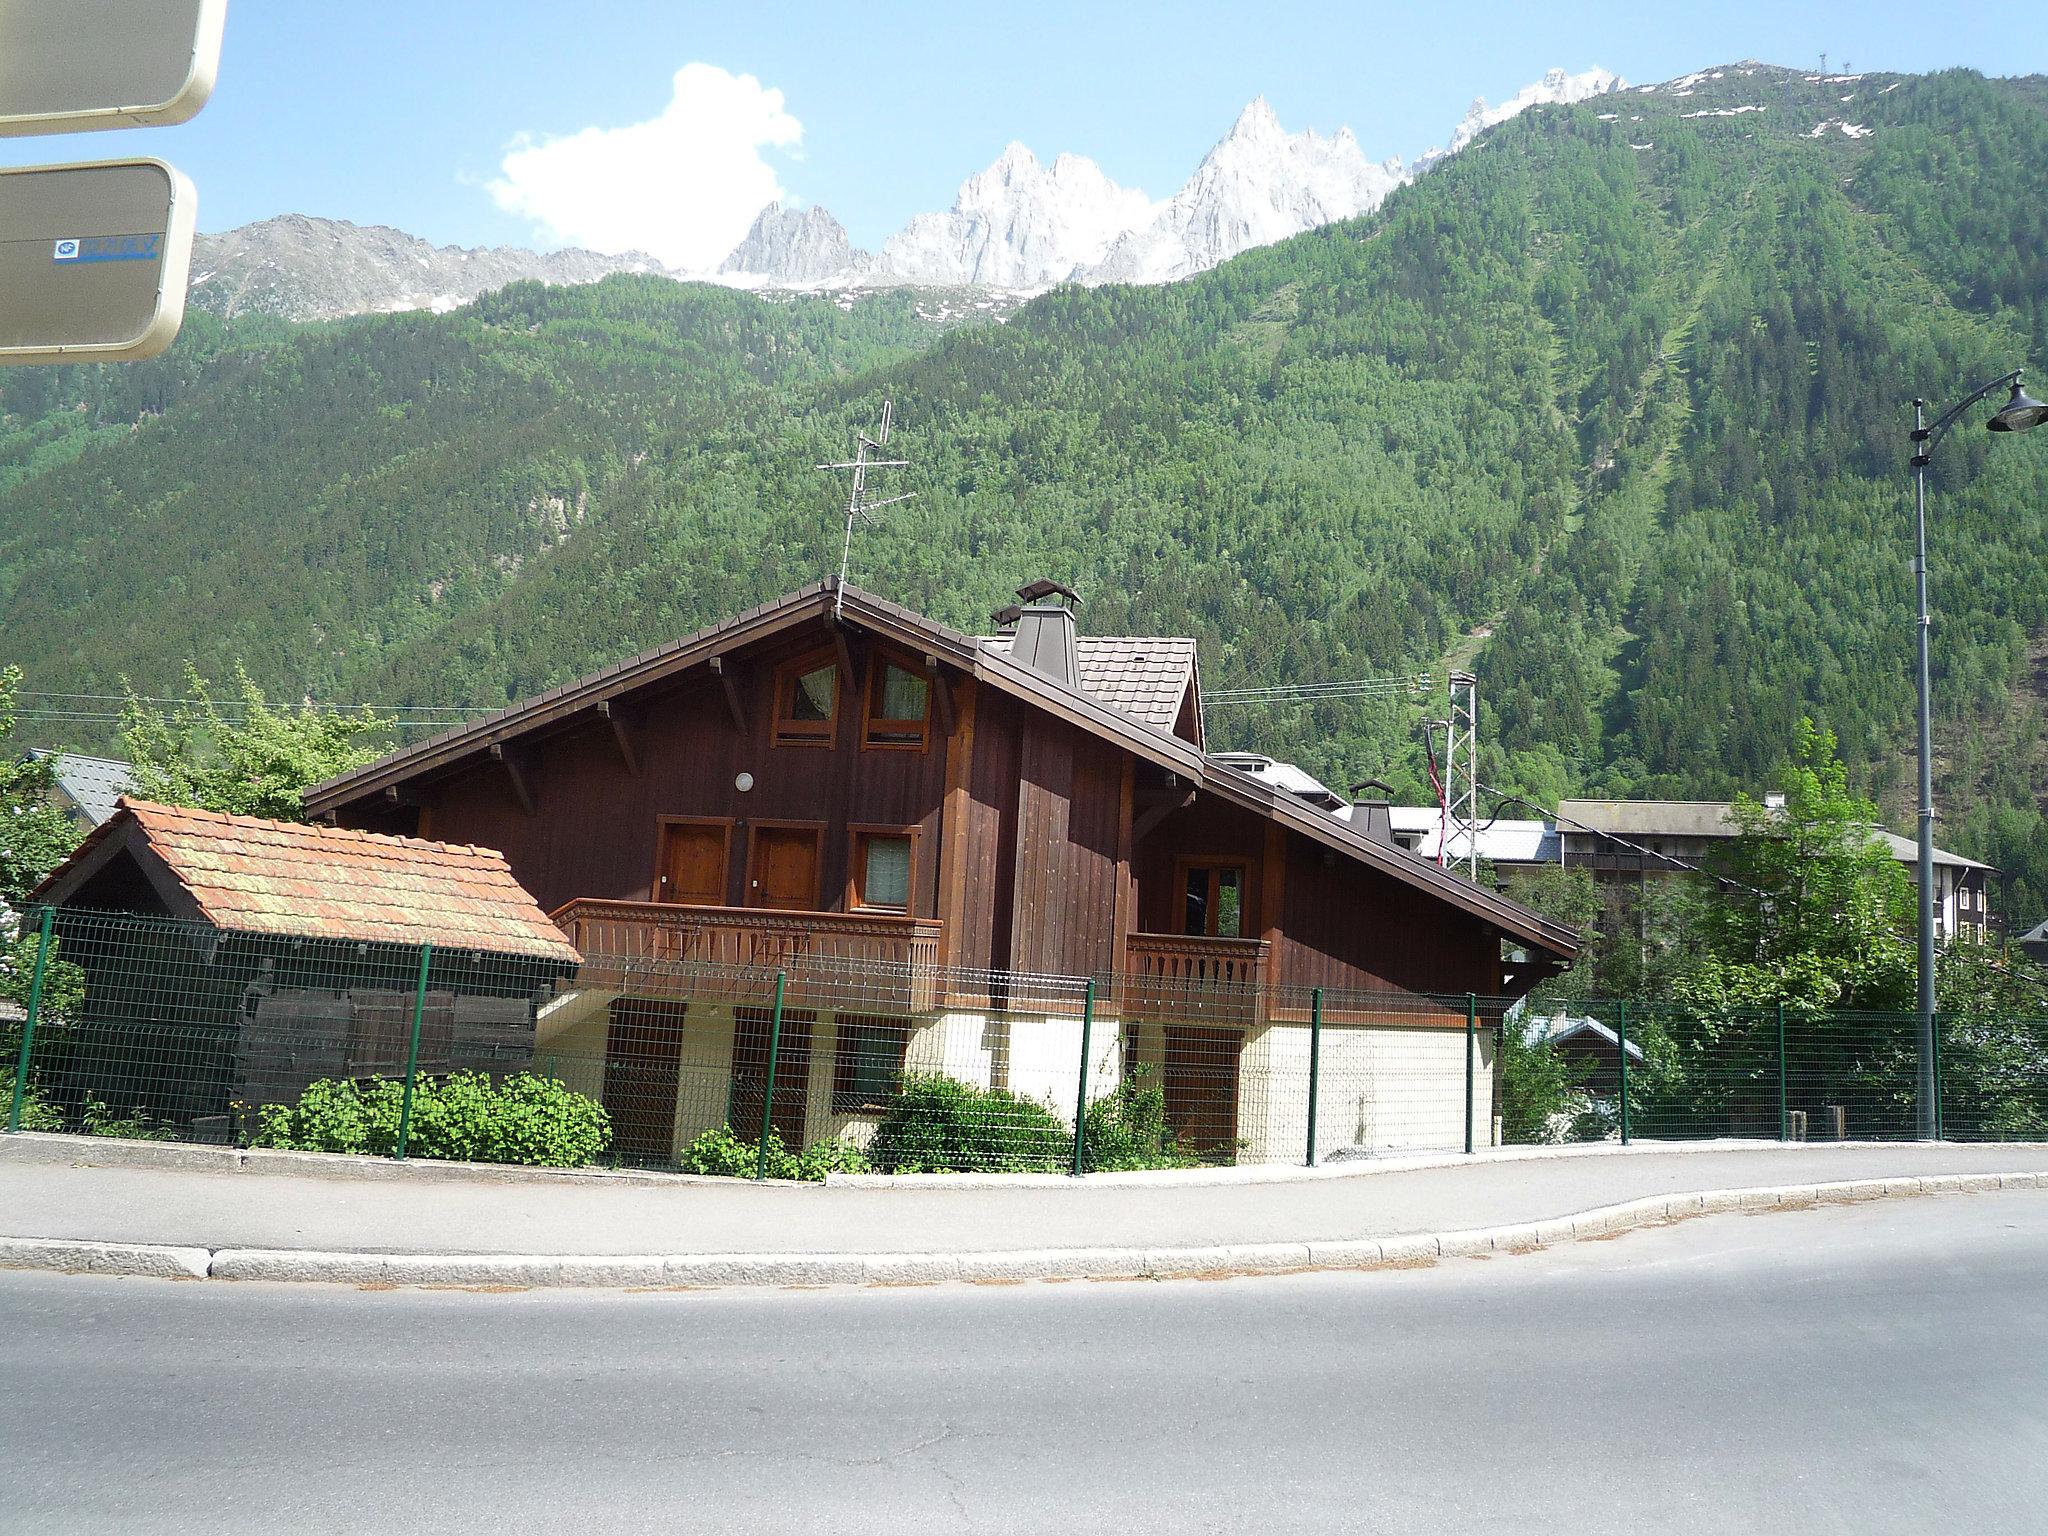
<point x="783" y="1061"/>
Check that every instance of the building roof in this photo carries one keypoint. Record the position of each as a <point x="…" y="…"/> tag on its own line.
<point x="252" y="875"/>
<point x="1705" y="819"/>
<point x="1291" y="777"/>
<point x="92" y="784"/>
<point x="1500" y="842"/>
<point x="1145" y="676"/>
<point x="578" y="702"/>
<point x="1562" y="1028"/>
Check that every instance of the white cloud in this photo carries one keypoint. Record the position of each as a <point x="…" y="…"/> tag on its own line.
<point x="683" y="186"/>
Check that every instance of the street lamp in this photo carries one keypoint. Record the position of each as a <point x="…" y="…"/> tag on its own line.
<point x="2018" y="414"/>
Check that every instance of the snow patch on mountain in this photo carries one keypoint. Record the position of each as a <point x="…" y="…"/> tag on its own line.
<point x="1556" y="88"/>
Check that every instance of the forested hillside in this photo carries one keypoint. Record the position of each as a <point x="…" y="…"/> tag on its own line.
<point x="1612" y="405"/>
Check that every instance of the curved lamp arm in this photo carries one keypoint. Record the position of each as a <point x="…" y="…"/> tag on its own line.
<point x="1927" y="437"/>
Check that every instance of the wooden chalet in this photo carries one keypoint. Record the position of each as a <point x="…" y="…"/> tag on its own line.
<point x="929" y="831"/>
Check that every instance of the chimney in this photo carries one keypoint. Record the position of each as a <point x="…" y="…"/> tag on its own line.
<point x="1375" y="818"/>
<point x="1045" y="634"/>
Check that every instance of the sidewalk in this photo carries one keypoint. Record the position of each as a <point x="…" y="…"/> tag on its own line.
<point x="777" y="1232"/>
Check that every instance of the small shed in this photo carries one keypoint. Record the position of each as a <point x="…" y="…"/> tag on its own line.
<point x="229" y="961"/>
<point x="1590" y="1045"/>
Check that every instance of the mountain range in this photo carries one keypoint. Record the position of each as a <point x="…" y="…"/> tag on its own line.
<point x="1018" y="226"/>
<point x="1609" y="407"/>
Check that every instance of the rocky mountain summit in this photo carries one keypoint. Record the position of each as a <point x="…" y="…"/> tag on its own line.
<point x="304" y="268"/>
<point x="794" y="247"/>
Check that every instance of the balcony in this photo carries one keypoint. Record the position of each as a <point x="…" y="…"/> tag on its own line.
<point x="833" y="960"/>
<point x="1178" y="979"/>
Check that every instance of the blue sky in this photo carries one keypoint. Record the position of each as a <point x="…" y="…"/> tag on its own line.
<point x="404" y="113"/>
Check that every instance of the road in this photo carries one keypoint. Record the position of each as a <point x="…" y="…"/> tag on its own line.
<point x="1876" y="1368"/>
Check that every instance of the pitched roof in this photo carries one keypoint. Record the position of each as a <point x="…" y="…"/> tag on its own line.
<point x="1706" y="818"/>
<point x="252" y="875"/>
<point x="92" y="784"/>
<point x="577" y="702"/>
<point x="1145" y="676"/>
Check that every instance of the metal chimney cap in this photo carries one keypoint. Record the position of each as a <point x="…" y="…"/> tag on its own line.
<point x="1031" y="592"/>
<point x="1003" y="618"/>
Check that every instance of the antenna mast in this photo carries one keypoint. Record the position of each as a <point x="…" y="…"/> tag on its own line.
<point x="858" y="507"/>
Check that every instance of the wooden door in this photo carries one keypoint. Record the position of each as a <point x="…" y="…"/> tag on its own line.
<point x="643" y="1051"/>
<point x="752" y="1030"/>
<point x="693" y="857"/>
<point x="1200" y="1083"/>
<point x="783" y="869"/>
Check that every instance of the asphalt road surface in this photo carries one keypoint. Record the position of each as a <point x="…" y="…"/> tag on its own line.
<point x="1877" y="1368"/>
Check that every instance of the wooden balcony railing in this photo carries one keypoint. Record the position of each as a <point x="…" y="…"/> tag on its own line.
<point x="1179" y="979"/>
<point x="854" y="961"/>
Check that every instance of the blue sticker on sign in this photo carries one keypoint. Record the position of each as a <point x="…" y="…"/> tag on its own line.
<point x="109" y="248"/>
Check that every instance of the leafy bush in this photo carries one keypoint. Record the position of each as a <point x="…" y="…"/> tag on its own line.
<point x="937" y="1124"/>
<point x="1540" y="1093"/>
<point x="137" y="1125"/>
<point x="466" y="1117"/>
<point x="1128" y="1129"/>
<point x="37" y="1112"/>
<point x="722" y="1152"/>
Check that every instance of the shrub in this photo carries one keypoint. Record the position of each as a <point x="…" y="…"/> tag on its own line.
<point x="723" y="1153"/>
<point x="37" y="1112"/>
<point x="137" y="1125"/>
<point x="1128" y="1129"/>
<point x="525" y="1118"/>
<point x="937" y="1124"/>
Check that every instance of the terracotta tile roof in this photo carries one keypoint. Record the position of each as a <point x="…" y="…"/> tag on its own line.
<point x="1145" y="676"/>
<point x="252" y="875"/>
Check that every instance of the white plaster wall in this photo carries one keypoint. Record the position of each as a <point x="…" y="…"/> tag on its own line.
<point x="1381" y="1088"/>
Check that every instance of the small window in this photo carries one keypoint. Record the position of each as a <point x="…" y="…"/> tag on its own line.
<point x="881" y="870"/>
<point x="806" y="703"/>
<point x="899" y="707"/>
<point x="1214" y="901"/>
<point x="868" y="1063"/>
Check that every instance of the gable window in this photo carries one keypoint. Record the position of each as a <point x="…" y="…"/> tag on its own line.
<point x="868" y="1063"/>
<point x="899" y="707"/>
<point x="807" y="702"/>
<point x="1213" y="900"/>
<point x="882" y="866"/>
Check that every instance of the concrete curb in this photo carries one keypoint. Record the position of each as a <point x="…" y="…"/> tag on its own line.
<point x="107" y="1152"/>
<point x="709" y="1270"/>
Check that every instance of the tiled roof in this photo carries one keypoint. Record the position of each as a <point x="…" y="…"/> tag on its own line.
<point x="1145" y="676"/>
<point x="93" y="783"/>
<point x="252" y="875"/>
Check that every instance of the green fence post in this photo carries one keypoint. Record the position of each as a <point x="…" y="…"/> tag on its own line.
<point x="1621" y="1051"/>
<point x="1315" y="1065"/>
<point x="28" y="1024"/>
<point x="412" y="1054"/>
<point x="1939" y="1135"/>
<point x="1081" y="1089"/>
<point x="1784" y="1108"/>
<point x="1471" y="1062"/>
<point x="768" y="1096"/>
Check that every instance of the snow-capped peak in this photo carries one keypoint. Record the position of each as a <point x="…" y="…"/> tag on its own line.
<point x="1556" y="88"/>
<point x="1257" y="185"/>
<point x="1017" y="224"/>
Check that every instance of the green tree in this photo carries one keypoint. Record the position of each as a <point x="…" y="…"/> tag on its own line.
<point x="34" y="834"/>
<point x="253" y="759"/>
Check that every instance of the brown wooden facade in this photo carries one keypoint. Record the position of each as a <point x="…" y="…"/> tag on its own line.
<point x="1018" y="825"/>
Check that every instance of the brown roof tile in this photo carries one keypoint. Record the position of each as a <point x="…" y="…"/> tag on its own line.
<point x="259" y="876"/>
<point x="1145" y="676"/>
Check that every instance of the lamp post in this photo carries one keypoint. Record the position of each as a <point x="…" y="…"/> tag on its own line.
<point x="2018" y="414"/>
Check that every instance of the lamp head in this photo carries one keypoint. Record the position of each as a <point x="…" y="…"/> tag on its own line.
<point x="2020" y="413"/>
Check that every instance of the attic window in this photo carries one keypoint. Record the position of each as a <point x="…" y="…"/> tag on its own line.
<point x="806" y="702"/>
<point x="899" y="707"/>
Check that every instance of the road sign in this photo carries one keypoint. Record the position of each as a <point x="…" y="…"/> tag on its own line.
<point x="93" y="260"/>
<point x="70" y="65"/>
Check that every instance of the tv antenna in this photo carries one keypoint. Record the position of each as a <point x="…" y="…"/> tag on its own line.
<point x="858" y="507"/>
